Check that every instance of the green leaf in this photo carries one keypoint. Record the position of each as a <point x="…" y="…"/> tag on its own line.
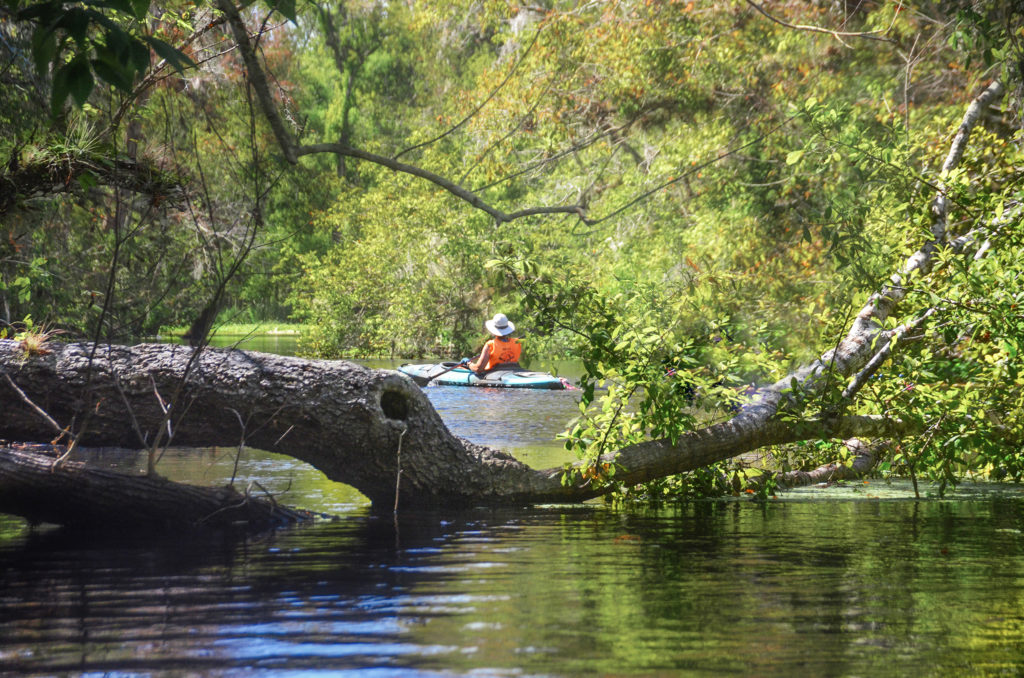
<point x="80" y="82"/>
<point x="76" y="22"/>
<point x="138" y="54"/>
<point x="87" y="180"/>
<point x="175" y="57"/>
<point x="140" y="8"/>
<point x="285" y="7"/>
<point x="793" y="157"/>
<point x="59" y="89"/>
<point x="114" y="75"/>
<point x="119" y="44"/>
<point x="44" y="48"/>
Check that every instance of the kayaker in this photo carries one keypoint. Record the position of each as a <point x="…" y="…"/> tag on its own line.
<point x="501" y="351"/>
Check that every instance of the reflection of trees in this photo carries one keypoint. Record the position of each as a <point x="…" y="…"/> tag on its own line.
<point x="708" y="588"/>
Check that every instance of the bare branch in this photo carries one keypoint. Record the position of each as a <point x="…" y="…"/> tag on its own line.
<point x="693" y="170"/>
<point x="483" y="103"/>
<point x="35" y="408"/>
<point x="838" y="35"/>
<point x="258" y="79"/>
<point x="448" y="185"/>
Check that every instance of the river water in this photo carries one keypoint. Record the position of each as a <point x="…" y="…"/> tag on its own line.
<point x="851" y="581"/>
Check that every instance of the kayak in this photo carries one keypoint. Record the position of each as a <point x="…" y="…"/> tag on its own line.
<point x="499" y="378"/>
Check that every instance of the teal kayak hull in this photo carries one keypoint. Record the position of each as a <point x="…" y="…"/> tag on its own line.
<point x="461" y="376"/>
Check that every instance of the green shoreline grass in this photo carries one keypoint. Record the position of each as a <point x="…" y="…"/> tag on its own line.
<point x="242" y="329"/>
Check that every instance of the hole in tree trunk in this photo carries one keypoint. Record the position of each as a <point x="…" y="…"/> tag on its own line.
<point x="394" y="405"/>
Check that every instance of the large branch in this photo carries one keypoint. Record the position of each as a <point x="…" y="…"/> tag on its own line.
<point x="65" y="174"/>
<point x="293" y="151"/>
<point x="458" y="191"/>
<point x="757" y="424"/>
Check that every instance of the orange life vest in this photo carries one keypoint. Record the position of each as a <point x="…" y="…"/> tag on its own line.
<point x="503" y="350"/>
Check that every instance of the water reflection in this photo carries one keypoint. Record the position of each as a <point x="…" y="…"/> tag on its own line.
<point x="832" y="588"/>
<point x="523" y="421"/>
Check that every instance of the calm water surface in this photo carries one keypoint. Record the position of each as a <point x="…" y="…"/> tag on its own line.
<point x="819" y="583"/>
<point x="820" y="588"/>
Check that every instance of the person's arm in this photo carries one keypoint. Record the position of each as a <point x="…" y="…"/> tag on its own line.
<point x="485" y="355"/>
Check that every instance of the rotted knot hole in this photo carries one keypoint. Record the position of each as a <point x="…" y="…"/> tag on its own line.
<point x="394" y="405"/>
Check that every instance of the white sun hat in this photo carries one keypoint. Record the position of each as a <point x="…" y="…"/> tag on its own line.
<point x="500" y="325"/>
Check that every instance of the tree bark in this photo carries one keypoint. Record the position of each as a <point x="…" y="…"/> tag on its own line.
<point x="342" y="418"/>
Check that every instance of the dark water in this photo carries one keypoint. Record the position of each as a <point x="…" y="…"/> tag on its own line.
<point x="818" y="588"/>
<point x="857" y="581"/>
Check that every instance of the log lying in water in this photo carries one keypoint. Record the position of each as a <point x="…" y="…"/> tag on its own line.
<point x="75" y="494"/>
<point x="372" y="429"/>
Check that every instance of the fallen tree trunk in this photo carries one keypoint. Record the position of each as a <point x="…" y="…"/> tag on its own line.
<point x="358" y="426"/>
<point x="93" y="497"/>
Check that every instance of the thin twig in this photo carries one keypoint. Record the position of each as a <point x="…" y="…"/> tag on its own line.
<point x="691" y="170"/>
<point x="241" y="446"/>
<point x="398" y="463"/>
<point x="38" y="410"/>
<point x="283" y="435"/>
<point x="131" y="412"/>
<point x="483" y="103"/>
<point x="838" y="35"/>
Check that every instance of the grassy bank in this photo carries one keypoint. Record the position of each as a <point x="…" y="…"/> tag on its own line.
<point x="270" y="327"/>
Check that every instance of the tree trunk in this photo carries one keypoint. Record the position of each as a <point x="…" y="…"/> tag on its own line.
<point x="350" y="422"/>
<point x="199" y="330"/>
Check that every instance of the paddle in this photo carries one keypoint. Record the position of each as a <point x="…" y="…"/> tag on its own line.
<point x="423" y="382"/>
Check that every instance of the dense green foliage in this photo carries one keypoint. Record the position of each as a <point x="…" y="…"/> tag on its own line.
<point x="743" y="183"/>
